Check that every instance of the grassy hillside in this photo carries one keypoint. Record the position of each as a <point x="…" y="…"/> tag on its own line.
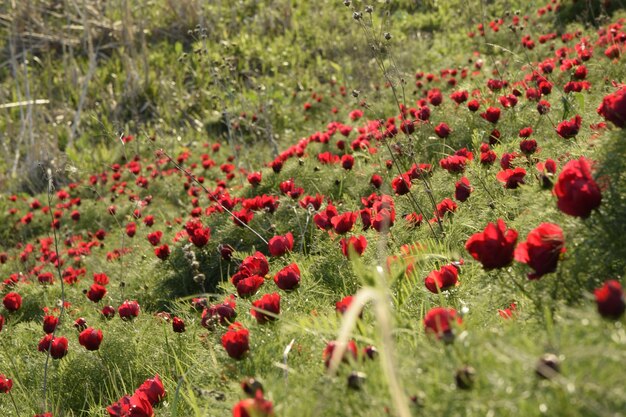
<point x="319" y="208"/>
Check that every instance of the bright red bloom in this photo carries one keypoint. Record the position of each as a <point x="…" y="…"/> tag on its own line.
<point x="90" y="338"/>
<point x="353" y="244"/>
<point x="351" y="352"/>
<point x="269" y="303"/>
<point x="108" y="312"/>
<point x="279" y="245"/>
<point x="343" y="223"/>
<point x="453" y="163"/>
<point x="462" y="189"/>
<point x="569" y="128"/>
<point x="12" y="301"/>
<point x="236" y="341"/>
<point x="249" y="285"/>
<point x="96" y="292"/>
<point x="542" y="249"/>
<point x="342" y="305"/>
<point x="446" y="206"/>
<point x="50" y="324"/>
<point x="511" y="178"/>
<point x="440" y="321"/>
<point x="198" y="234"/>
<point x="613" y="107"/>
<point x="288" y="278"/>
<point x="155" y="237"/>
<point x="447" y="277"/>
<point x="128" y="310"/>
<point x="153" y="389"/>
<point x="131" y="229"/>
<point x="401" y="184"/>
<point x="528" y="146"/>
<point x="1" y="322"/>
<point x="136" y="405"/>
<point x="383" y="220"/>
<point x="494" y="246"/>
<point x="442" y="130"/>
<point x="347" y="162"/>
<point x="254" y="407"/>
<point x="576" y="191"/>
<point x="322" y="219"/>
<point x="492" y="115"/>
<point x="101" y="278"/>
<point x="162" y="252"/>
<point x="5" y="384"/>
<point x="178" y="325"/>
<point x="254" y="178"/>
<point x="610" y="300"/>
<point x="57" y="346"/>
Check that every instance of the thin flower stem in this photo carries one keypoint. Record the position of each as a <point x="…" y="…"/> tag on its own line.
<point x="17" y="410"/>
<point x="60" y="276"/>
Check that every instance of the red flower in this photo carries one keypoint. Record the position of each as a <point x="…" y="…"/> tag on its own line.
<point x="57" y="346"/>
<point x="491" y="115"/>
<point x="576" y="191"/>
<point x="5" y="384"/>
<point x="494" y="246"/>
<point x="269" y="303"/>
<point x="96" y="292"/>
<point x="453" y="163"/>
<point x="162" y="252"/>
<point x="351" y="352"/>
<point x="444" y="279"/>
<point x="198" y="234"/>
<point x="512" y="178"/>
<point x="342" y="305"/>
<point x="542" y="249"/>
<point x="108" y="312"/>
<point x="528" y="146"/>
<point x="279" y="245"/>
<point x="610" y="300"/>
<point x="288" y="278"/>
<point x="101" y="278"/>
<point x="347" y="161"/>
<point x="178" y="325"/>
<point x="131" y="229"/>
<point x="569" y="128"/>
<point x="376" y="180"/>
<point x="442" y="130"/>
<point x="446" y="206"/>
<point x="322" y="219"/>
<point x="254" y="178"/>
<point x="50" y="324"/>
<point x="155" y="237"/>
<point x="90" y="338"/>
<point x="153" y="389"/>
<point x="136" y="405"/>
<point x="236" y="341"/>
<point x="383" y="220"/>
<point x="613" y="107"/>
<point x="343" y="223"/>
<point x="1" y="322"/>
<point x="463" y="189"/>
<point x="128" y="310"/>
<point x="353" y="244"/>
<point x="12" y="301"/>
<point x="249" y="285"/>
<point x="254" y="407"/>
<point x="440" y="320"/>
<point x="401" y="184"/>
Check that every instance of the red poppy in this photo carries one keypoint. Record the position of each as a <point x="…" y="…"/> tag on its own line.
<point x="343" y="223"/>
<point x="288" y="278"/>
<point x="269" y="303"/>
<point x="494" y="246"/>
<point x="445" y="278"/>
<point x="542" y="249"/>
<point x="453" y="163"/>
<point x="90" y="338"/>
<point x="462" y="189"/>
<point x="492" y="115"/>
<point x="153" y="389"/>
<point x="569" y="128"/>
<point x="613" y="107"/>
<point x="440" y="321"/>
<point x="254" y="178"/>
<point x="236" y="341"/>
<point x="162" y="252"/>
<point x="401" y="184"/>
<point x="279" y="245"/>
<point x="353" y="244"/>
<point x="511" y="178"/>
<point x="155" y="237"/>
<point x="351" y="352"/>
<point x="576" y="191"/>
<point x="442" y="130"/>
<point x="96" y="292"/>
<point x="136" y="405"/>
<point x="12" y="301"/>
<point x="610" y="300"/>
<point x="248" y="286"/>
<point x="254" y="407"/>
<point x="50" y="324"/>
<point x="128" y="310"/>
<point x="5" y="384"/>
<point x="178" y="325"/>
